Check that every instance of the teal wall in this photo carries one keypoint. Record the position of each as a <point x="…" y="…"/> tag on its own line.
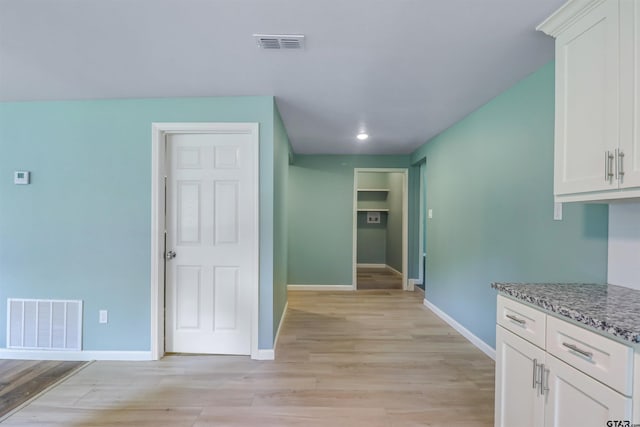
<point x="394" y="225"/>
<point x="490" y="185"/>
<point x="372" y="240"/>
<point x="282" y="152"/>
<point x="81" y="230"/>
<point x="321" y="215"/>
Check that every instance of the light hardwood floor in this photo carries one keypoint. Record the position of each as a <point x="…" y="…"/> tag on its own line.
<point x="367" y="358"/>
<point x="378" y="278"/>
<point x="21" y="380"/>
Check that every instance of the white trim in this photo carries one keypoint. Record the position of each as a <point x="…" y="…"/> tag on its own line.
<point x="284" y="314"/>
<point x="354" y="242"/>
<point x="74" y="355"/>
<point x="393" y="270"/>
<point x="571" y="12"/>
<point x="319" y="288"/>
<point x="405" y="223"/>
<point x="413" y="283"/>
<point x="482" y="346"/>
<point x="405" y="229"/>
<point x="158" y="133"/>
<point x="422" y="250"/>
<point x="263" y="354"/>
<point x="380" y="266"/>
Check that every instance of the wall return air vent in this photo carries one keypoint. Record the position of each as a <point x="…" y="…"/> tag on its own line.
<point x="280" y="41"/>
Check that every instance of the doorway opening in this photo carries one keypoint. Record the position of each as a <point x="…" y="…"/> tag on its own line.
<point x="380" y="228"/>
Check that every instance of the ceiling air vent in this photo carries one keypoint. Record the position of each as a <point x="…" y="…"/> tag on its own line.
<point x="281" y="41"/>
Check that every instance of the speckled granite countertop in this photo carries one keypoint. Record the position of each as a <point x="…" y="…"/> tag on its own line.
<point x="608" y="308"/>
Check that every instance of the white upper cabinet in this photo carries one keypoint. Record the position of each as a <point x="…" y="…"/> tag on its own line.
<point x="587" y="102"/>
<point x="597" y="143"/>
<point x="630" y="14"/>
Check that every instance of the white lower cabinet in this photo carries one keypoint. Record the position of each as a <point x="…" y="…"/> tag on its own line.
<point x="575" y="399"/>
<point x="536" y="389"/>
<point x="517" y="373"/>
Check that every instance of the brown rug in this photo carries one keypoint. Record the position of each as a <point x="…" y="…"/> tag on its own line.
<point x="22" y="380"/>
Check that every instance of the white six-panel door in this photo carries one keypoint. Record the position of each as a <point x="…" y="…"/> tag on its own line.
<point x="211" y="227"/>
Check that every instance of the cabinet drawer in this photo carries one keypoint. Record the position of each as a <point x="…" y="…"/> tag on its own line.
<point x="601" y="358"/>
<point x="522" y="320"/>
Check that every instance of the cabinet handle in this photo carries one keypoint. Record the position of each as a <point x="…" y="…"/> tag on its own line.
<point x="578" y="350"/>
<point x="608" y="166"/>
<point x="620" y="154"/>
<point x="516" y="319"/>
<point x="544" y="380"/>
<point x="537" y="377"/>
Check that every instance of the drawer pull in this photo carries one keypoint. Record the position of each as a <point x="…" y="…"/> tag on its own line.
<point x="578" y="350"/>
<point x="516" y="319"/>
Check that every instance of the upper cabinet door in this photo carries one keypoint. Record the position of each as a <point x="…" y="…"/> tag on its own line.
<point x="630" y="95"/>
<point x="587" y="103"/>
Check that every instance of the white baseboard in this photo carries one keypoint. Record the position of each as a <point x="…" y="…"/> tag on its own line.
<point x="388" y="267"/>
<point x="265" y="354"/>
<point x="412" y="283"/>
<point x="482" y="346"/>
<point x="320" y="288"/>
<point x="284" y="314"/>
<point x="381" y="266"/>
<point x="365" y="265"/>
<point x="8" y="353"/>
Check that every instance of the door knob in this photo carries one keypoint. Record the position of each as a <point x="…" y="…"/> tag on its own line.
<point x="170" y="255"/>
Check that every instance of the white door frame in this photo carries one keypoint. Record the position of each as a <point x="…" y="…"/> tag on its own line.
<point x="405" y="216"/>
<point x="422" y="244"/>
<point x="158" y="174"/>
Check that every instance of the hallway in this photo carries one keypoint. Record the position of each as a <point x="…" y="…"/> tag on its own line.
<point x="368" y="358"/>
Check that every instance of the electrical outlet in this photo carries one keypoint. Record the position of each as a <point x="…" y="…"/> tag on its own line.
<point x="373" y="217"/>
<point x="104" y="316"/>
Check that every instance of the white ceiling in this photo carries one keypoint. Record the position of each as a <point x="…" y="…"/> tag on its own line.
<point x="403" y="70"/>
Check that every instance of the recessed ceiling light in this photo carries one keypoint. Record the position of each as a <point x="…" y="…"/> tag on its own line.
<point x="362" y="136"/>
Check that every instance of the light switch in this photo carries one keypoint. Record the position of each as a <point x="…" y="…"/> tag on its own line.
<point x="557" y="211"/>
<point x="104" y="316"/>
<point x="430" y="213"/>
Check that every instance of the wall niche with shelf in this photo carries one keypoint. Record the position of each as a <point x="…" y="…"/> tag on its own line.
<point x="373" y="199"/>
